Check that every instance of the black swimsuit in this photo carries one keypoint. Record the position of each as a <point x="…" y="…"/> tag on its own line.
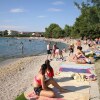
<point x="37" y="90"/>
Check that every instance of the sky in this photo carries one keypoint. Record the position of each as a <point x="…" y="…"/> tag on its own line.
<point x="36" y="15"/>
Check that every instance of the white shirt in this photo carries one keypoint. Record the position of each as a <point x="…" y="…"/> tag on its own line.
<point x="48" y="47"/>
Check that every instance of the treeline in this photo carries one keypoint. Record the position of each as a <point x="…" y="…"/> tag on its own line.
<point x="86" y="25"/>
<point x="18" y="34"/>
<point x="5" y="34"/>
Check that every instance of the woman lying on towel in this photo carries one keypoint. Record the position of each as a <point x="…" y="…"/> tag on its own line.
<point x="79" y="57"/>
<point x="41" y="83"/>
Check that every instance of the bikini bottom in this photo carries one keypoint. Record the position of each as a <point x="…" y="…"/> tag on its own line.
<point x="37" y="90"/>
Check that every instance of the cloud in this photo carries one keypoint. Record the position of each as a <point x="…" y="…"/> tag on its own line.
<point x="58" y="3"/>
<point x="54" y="9"/>
<point x="11" y="27"/>
<point x="41" y="16"/>
<point x="17" y="10"/>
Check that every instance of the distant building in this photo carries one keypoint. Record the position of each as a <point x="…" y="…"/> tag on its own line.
<point x="37" y="34"/>
<point x="25" y="32"/>
<point x="12" y="32"/>
<point x="20" y="32"/>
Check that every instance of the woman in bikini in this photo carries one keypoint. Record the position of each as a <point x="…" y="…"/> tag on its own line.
<point x="50" y="72"/>
<point x="41" y="83"/>
<point x="79" y="57"/>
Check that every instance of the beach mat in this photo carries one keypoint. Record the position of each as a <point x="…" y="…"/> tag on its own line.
<point x="78" y="68"/>
<point x="97" y="52"/>
<point x="30" y="95"/>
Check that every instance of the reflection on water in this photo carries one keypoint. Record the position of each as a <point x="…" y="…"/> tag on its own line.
<point x="13" y="47"/>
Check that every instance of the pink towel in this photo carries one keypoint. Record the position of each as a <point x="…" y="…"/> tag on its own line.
<point x="35" y="97"/>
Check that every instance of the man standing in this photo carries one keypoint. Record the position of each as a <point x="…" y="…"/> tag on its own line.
<point x="48" y="51"/>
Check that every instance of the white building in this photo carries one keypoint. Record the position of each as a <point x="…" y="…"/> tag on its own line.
<point x="37" y="34"/>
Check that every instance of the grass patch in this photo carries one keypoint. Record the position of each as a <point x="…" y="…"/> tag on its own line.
<point x="21" y="97"/>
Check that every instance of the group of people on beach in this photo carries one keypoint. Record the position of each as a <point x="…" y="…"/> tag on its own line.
<point x="78" y="55"/>
<point x="54" y="51"/>
<point x="45" y="75"/>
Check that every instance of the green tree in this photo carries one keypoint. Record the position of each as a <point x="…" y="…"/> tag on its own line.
<point x="67" y="30"/>
<point x="88" y="23"/>
<point x="57" y="32"/>
<point x="5" y="33"/>
<point x="53" y="31"/>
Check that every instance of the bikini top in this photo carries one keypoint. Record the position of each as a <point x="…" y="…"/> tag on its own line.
<point x="37" y="80"/>
<point x="82" y="56"/>
<point x="49" y="74"/>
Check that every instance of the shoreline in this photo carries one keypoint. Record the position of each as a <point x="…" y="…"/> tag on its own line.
<point x="20" y="55"/>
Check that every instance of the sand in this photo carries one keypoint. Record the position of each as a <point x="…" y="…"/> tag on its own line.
<point x="16" y="76"/>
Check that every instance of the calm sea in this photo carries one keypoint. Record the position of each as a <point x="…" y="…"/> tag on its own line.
<point x="21" y="47"/>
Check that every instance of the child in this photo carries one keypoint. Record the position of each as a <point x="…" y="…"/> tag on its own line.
<point x="71" y="49"/>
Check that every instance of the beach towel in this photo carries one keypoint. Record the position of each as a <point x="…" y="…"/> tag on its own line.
<point x="97" y="52"/>
<point x="78" y="68"/>
<point x="29" y="94"/>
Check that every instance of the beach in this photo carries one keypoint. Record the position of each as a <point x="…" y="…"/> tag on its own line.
<point x="16" y="75"/>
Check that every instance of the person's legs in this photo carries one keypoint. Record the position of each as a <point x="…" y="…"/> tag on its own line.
<point x="57" y="55"/>
<point x="72" y="58"/>
<point x="81" y="61"/>
<point x="53" y="53"/>
<point x="47" y="56"/>
<point x="40" y="92"/>
<point x="50" y="56"/>
<point x="47" y="93"/>
<point x="47" y="53"/>
<point x="55" y="84"/>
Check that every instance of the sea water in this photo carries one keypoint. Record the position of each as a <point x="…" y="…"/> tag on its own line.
<point x="21" y="47"/>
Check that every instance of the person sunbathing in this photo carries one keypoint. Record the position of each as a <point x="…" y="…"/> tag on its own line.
<point x="41" y="83"/>
<point x="83" y="60"/>
<point x="79" y="57"/>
